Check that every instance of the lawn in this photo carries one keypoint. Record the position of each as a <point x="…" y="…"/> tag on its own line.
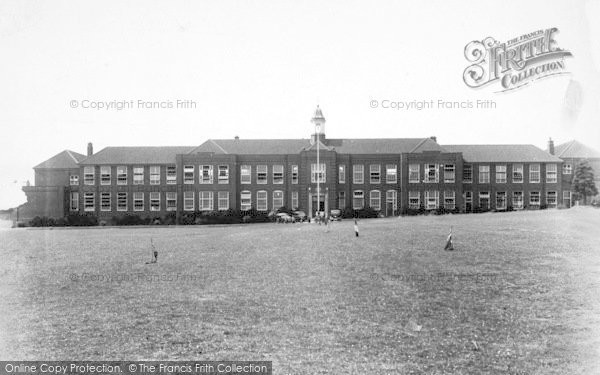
<point x="519" y="295"/>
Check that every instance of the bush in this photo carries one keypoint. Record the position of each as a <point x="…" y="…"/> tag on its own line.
<point x="128" y="219"/>
<point x="77" y="220"/>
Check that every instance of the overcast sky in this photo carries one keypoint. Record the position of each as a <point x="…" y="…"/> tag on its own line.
<point x="257" y="69"/>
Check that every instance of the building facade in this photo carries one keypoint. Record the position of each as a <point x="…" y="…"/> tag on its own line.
<point x="389" y="175"/>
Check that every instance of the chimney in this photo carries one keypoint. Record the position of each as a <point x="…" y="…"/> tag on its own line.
<point x="551" y="146"/>
<point x="433" y="138"/>
<point x="90" y="150"/>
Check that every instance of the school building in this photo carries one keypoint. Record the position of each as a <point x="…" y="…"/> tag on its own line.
<point x="390" y="175"/>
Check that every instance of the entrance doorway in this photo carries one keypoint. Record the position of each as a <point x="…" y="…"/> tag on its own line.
<point x="320" y="206"/>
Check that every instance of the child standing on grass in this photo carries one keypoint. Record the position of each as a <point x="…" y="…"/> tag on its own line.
<point x="356" y="227"/>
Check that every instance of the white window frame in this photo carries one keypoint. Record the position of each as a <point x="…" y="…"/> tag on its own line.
<point x="566" y="196"/>
<point x="245" y="200"/>
<point x="414" y="173"/>
<point x="375" y="175"/>
<point x="341" y="200"/>
<point x="138" y="196"/>
<point x="189" y="174"/>
<point x="449" y="199"/>
<point x="551" y="173"/>
<point x="74" y="201"/>
<point x="535" y="171"/>
<point x="412" y="196"/>
<point x="262" y="200"/>
<point x="205" y="174"/>
<point x="89" y="177"/>
<point x="391" y="196"/>
<point x="518" y="169"/>
<point x="105" y="175"/>
<point x="154" y="200"/>
<point x="504" y="201"/>
<point x="89" y="197"/>
<point x="223" y="175"/>
<point x="278" y="202"/>
<point x="136" y="175"/>
<point x="103" y="206"/>
<point x="223" y="200"/>
<point x="171" y="173"/>
<point x="427" y="175"/>
<point x="189" y="200"/>
<point x="485" y="195"/>
<point x="74" y="180"/>
<point x="548" y="195"/>
<point x="295" y="200"/>
<point x="342" y="173"/>
<point x="245" y="175"/>
<point x="533" y="194"/>
<point x="391" y="173"/>
<point x="484" y="170"/>
<point x="468" y="173"/>
<point x="262" y="174"/>
<point x="278" y="174"/>
<point x="121" y="175"/>
<point x="375" y="197"/>
<point x="449" y="173"/>
<point x="358" y="176"/>
<point x="567" y="168"/>
<point x="206" y="200"/>
<point x="155" y="175"/>
<point x="122" y="197"/>
<point x="518" y="200"/>
<point x="171" y="200"/>
<point x="358" y="195"/>
<point x="501" y="171"/>
<point x="295" y="175"/>
<point x="321" y="173"/>
<point x="432" y="199"/>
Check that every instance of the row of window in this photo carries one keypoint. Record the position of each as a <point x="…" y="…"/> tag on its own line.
<point x="431" y="174"/>
<point x="518" y="199"/>
<point x="501" y="175"/>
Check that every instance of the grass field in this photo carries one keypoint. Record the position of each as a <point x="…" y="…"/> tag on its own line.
<point x="520" y="295"/>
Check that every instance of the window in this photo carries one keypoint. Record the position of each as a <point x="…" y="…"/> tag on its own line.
<point x="121" y="175"/>
<point x="171" y="201"/>
<point x="121" y="201"/>
<point x="223" y="200"/>
<point x="314" y="173"/>
<point x="501" y="174"/>
<point x="449" y="173"/>
<point x="188" y="175"/>
<point x="154" y="200"/>
<point x="74" y="206"/>
<point x="74" y="180"/>
<point x="155" y="175"/>
<point x="88" y="175"/>
<point x="534" y="173"/>
<point x="188" y="200"/>
<point x="206" y="174"/>
<point x="391" y="199"/>
<point x="277" y="199"/>
<point x="358" y="201"/>
<point x="261" y="174"/>
<point x="375" y="200"/>
<point x="342" y="173"/>
<point x="261" y="200"/>
<point x="105" y="175"/>
<point x="484" y="200"/>
<point x="467" y="173"/>
<point x="342" y="200"/>
<point x="104" y="201"/>
<point x="138" y="201"/>
<point x="358" y="173"/>
<point x="294" y="200"/>
<point x="501" y="200"/>
<point x="171" y="174"/>
<point x="517" y="200"/>
<point x="414" y="200"/>
<point x="375" y="172"/>
<point x="391" y="174"/>
<point x="246" y="174"/>
<point x="432" y="198"/>
<point x="89" y="202"/>
<point x="278" y="174"/>
<point x="484" y="174"/>
<point x="206" y="200"/>
<point x="414" y="173"/>
<point x="245" y="200"/>
<point x="551" y="199"/>
<point x="567" y="169"/>
<point x="567" y="198"/>
<point x="468" y="201"/>
<point x="224" y="176"/>
<point x="449" y="200"/>
<point x="534" y="198"/>
<point x="551" y="173"/>
<point x="431" y="173"/>
<point x="294" y="174"/>
<point x="138" y="176"/>
<point x="517" y="173"/>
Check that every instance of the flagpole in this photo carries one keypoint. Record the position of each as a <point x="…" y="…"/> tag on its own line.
<point x="318" y="131"/>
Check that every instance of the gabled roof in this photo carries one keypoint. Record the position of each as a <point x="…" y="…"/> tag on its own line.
<point x="136" y="155"/>
<point x="575" y="149"/>
<point x="63" y="160"/>
<point x="502" y="153"/>
<point x="295" y="146"/>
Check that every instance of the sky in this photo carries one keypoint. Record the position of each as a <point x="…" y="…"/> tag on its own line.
<point x="257" y="69"/>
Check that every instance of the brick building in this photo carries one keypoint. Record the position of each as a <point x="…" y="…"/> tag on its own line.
<point x="389" y="175"/>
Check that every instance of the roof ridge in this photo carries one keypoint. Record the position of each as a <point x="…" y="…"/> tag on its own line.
<point x="419" y="145"/>
<point x="569" y="145"/>
<point x="72" y="157"/>
<point x="219" y="146"/>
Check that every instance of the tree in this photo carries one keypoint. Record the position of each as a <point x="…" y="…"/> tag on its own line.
<point x="583" y="182"/>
